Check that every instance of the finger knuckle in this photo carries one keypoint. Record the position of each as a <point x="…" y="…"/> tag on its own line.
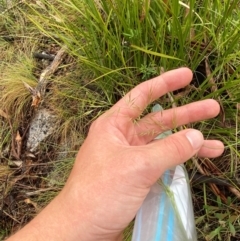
<point x="176" y="147"/>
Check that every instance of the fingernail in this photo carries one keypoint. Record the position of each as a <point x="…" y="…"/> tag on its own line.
<point x="195" y="138"/>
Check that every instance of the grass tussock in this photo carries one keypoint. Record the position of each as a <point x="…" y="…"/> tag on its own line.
<point x="112" y="46"/>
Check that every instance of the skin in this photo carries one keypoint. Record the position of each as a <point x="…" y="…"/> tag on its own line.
<point x="119" y="162"/>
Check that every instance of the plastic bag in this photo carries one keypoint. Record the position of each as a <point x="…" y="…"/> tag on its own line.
<point x="167" y="212"/>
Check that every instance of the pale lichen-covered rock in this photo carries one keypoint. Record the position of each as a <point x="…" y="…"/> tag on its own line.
<point x="41" y="127"/>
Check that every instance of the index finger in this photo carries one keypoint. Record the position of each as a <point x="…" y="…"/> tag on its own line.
<point x="134" y="102"/>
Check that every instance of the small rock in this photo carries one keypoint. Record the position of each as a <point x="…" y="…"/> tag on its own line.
<point x="42" y="126"/>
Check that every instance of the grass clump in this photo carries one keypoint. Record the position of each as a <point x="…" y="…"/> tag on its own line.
<point x="113" y="45"/>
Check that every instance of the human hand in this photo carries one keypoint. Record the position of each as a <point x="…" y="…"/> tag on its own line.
<point x="119" y="161"/>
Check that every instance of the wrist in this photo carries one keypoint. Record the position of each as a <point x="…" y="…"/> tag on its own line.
<point x="60" y="222"/>
<point x="49" y="224"/>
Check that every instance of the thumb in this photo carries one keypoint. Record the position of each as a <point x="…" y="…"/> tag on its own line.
<point x="175" y="149"/>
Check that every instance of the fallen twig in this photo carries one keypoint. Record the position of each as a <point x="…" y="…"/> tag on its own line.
<point x="10" y="216"/>
<point x="39" y="91"/>
<point x="234" y="191"/>
<point x="13" y="146"/>
<point x="33" y="193"/>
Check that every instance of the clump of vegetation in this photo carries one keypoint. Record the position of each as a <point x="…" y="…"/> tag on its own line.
<point x="112" y="45"/>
